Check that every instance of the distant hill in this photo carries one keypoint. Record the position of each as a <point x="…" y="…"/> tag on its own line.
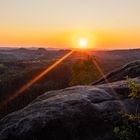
<point x="30" y="54"/>
<point x="24" y="54"/>
<point x="118" y="54"/>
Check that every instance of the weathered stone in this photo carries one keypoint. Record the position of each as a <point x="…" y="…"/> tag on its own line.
<point x="76" y="113"/>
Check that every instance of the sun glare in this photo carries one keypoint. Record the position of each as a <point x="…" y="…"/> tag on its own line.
<point x="83" y="43"/>
<point x="82" y="40"/>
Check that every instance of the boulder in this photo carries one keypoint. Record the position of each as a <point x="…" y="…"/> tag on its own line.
<point x="75" y="113"/>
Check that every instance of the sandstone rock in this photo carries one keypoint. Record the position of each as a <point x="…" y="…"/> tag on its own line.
<point x="76" y="113"/>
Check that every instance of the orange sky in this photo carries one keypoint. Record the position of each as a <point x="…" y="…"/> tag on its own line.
<point x="106" y="24"/>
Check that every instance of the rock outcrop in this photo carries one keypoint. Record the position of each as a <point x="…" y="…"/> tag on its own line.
<point x="76" y="113"/>
<point x="132" y="70"/>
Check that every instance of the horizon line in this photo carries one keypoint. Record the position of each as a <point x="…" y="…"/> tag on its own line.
<point x="60" y="48"/>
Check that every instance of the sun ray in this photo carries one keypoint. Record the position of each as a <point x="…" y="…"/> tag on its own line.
<point x="33" y="81"/>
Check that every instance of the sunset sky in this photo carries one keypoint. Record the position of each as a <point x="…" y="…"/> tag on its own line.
<point x="106" y="24"/>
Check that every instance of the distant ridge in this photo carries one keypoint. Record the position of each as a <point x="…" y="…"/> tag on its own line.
<point x="131" y="69"/>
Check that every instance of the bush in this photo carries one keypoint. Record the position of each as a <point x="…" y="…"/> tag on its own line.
<point x="129" y="128"/>
<point x="130" y="125"/>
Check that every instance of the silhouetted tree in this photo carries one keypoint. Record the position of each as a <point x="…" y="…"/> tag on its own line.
<point x="84" y="72"/>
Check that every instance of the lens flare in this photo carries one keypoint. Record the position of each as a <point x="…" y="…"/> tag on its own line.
<point x="33" y="81"/>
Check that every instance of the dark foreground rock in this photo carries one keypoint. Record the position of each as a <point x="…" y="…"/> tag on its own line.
<point x="132" y="70"/>
<point x="76" y="113"/>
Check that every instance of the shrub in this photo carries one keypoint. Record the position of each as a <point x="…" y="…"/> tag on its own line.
<point x="130" y="125"/>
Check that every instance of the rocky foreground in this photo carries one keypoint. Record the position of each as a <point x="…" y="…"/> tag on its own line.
<point x="76" y="113"/>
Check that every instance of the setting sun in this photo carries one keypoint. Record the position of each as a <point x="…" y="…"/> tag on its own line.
<point x="83" y="43"/>
<point x="82" y="40"/>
